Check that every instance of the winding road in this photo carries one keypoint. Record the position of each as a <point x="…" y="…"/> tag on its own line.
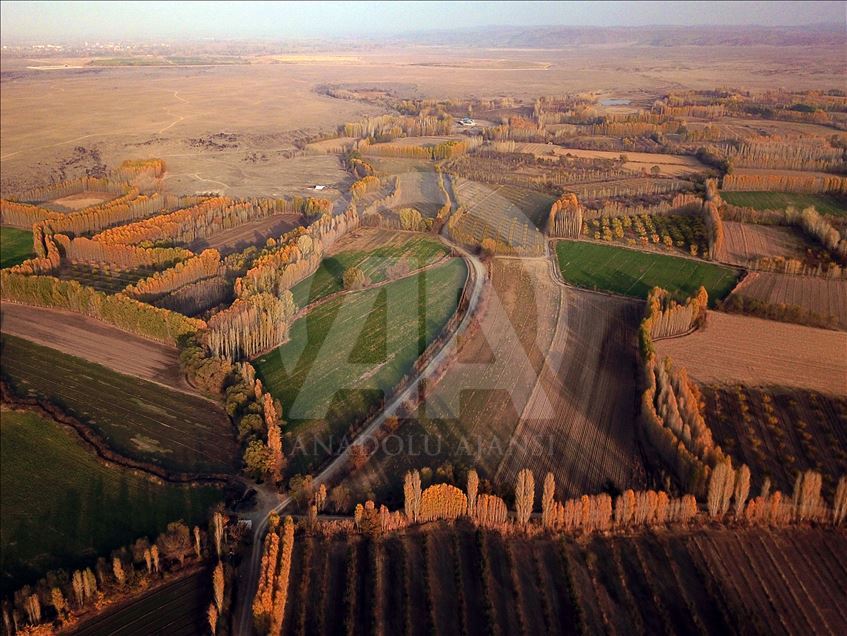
<point x="272" y="502"/>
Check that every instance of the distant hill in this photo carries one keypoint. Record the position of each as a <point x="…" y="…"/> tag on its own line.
<point x="561" y="36"/>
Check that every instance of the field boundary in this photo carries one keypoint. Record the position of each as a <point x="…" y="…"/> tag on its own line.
<point x="102" y="450"/>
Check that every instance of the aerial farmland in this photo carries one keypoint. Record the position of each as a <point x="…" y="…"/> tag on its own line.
<point x="342" y="321"/>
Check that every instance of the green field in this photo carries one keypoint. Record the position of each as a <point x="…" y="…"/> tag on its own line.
<point x="15" y="246"/>
<point x="343" y="355"/>
<point x="61" y="506"/>
<point x="418" y="250"/>
<point x="824" y="203"/>
<point x="634" y="273"/>
<point x="138" y="419"/>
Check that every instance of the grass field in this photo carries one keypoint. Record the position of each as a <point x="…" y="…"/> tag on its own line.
<point x="635" y="273"/>
<point x="178" y="609"/>
<point x="60" y="505"/>
<point x="388" y="248"/>
<point x="139" y="419"/>
<point x="15" y="246"/>
<point x="824" y="203"/>
<point x="343" y="355"/>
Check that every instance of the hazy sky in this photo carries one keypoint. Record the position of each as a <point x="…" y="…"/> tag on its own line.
<point x="64" y="21"/>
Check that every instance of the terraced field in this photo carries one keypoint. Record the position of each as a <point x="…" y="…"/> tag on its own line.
<point x="377" y="252"/>
<point x="345" y="354"/>
<point x="61" y="505"/>
<point x="824" y="203"/>
<point x="136" y="418"/>
<point x="635" y="273"/>
<point x="15" y="246"/>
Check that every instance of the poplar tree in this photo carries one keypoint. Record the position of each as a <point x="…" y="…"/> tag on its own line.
<point x="524" y="495"/>
<point x="547" y="499"/>
<point x="473" y="487"/>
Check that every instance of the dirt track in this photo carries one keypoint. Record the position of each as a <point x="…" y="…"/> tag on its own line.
<point x="95" y="341"/>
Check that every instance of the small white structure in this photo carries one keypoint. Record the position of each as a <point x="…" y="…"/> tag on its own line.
<point x="319" y="187"/>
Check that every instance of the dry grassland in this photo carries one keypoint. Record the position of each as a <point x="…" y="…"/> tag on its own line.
<point x="46" y="114"/>
<point x="760" y="352"/>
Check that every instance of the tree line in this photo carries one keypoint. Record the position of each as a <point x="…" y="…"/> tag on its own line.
<point x="670" y="402"/>
<point x="666" y="317"/>
<point x="799" y="182"/>
<point x="296" y="255"/>
<point x="565" y="218"/>
<point x="207" y="264"/>
<point x="727" y="500"/>
<point x="119" y="310"/>
<point x="63" y="599"/>
<point x="209" y="216"/>
<point x="272" y="594"/>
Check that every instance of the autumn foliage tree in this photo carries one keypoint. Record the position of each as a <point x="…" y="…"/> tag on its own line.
<point x="442" y="501"/>
<point x="524" y="495"/>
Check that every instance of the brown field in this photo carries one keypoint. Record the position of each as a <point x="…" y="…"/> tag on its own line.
<point x="758" y="352"/>
<point x="442" y="579"/>
<point x="827" y="298"/>
<point x="674" y="165"/>
<point x="252" y="233"/>
<point x="95" y="341"/>
<point x="583" y="405"/>
<point x="506" y="213"/>
<point x="755" y="128"/>
<point x="745" y="241"/>
<point x="420" y="190"/>
<point x="779" y="431"/>
<point x="83" y="200"/>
